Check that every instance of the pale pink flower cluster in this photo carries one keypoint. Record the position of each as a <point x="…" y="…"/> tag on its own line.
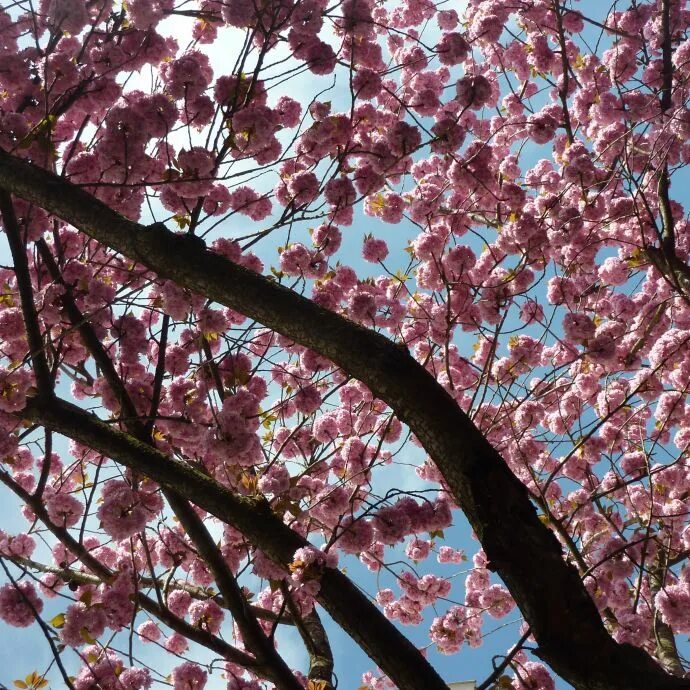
<point x="104" y="668"/>
<point x="189" y="676"/>
<point x="19" y="604"/>
<point x="124" y="510"/>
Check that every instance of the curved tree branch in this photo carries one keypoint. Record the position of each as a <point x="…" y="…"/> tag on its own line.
<point x="348" y="606"/>
<point x="104" y="574"/>
<point x="276" y="669"/>
<point x="26" y="294"/>
<point x="548" y="590"/>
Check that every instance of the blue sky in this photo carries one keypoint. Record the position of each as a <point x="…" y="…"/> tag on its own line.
<point x="26" y="650"/>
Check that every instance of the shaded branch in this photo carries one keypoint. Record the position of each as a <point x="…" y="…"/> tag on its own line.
<point x="666" y="650"/>
<point x="348" y="606"/>
<point x="548" y="590"/>
<point x="191" y="632"/>
<point x="26" y="293"/>
<point x="160" y="372"/>
<point x="315" y="639"/>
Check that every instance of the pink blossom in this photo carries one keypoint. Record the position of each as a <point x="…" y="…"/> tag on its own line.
<point x="149" y="631"/>
<point x="418" y="549"/>
<point x="289" y="111"/>
<point x="122" y="511"/>
<point x="65" y="15"/>
<point x="103" y="668"/>
<point x="447" y="19"/>
<point x="374" y="249"/>
<point x="21" y="545"/>
<point x="308" y="562"/>
<point x="135" y="679"/>
<point x="64" y="509"/>
<point x="240" y="13"/>
<point x="187" y="76"/>
<point x="320" y="57"/>
<point x="367" y="83"/>
<point x="307" y="399"/>
<point x="83" y="624"/>
<point x="447" y="554"/>
<point x="497" y="600"/>
<point x="578" y="327"/>
<point x="19" y="604"/>
<point x="189" y="676"/>
<point x="473" y="91"/>
<point x="356" y="535"/>
<point x="176" y="643"/>
<point x="179" y="602"/>
<point x="613" y="271"/>
<point x="276" y="480"/>
<point x="453" y="48"/>
<point x="206" y="615"/>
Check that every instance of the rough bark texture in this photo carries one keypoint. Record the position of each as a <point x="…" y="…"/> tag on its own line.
<point x="549" y="592"/>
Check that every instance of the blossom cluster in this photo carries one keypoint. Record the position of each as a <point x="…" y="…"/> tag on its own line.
<point x="513" y="240"/>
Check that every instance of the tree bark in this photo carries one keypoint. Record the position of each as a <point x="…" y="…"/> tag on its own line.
<point x="548" y="590"/>
<point x="347" y="605"/>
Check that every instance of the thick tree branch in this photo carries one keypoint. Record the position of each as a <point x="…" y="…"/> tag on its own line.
<point x="104" y="574"/>
<point x="21" y="268"/>
<point x="379" y="638"/>
<point x="274" y="667"/>
<point x="563" y="618"/>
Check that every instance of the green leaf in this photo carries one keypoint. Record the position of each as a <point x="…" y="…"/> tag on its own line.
<point x="58" y="621"/>
<point x="87" y="636"/>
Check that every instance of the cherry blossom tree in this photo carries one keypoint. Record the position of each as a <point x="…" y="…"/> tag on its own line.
<point x="290" y="286"/>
